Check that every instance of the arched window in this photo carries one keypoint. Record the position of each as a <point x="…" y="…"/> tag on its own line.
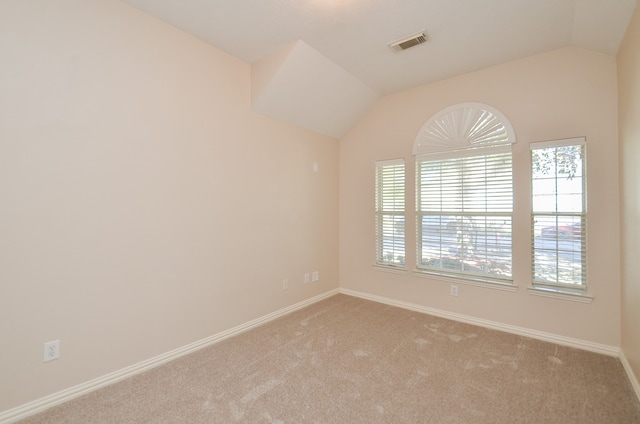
<point x="464" y="193"/>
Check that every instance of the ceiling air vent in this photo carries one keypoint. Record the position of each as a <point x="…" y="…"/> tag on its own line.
<point x="408" y="42"/>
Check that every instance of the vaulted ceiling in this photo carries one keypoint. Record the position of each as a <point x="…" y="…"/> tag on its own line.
<point x="349" y="39"/>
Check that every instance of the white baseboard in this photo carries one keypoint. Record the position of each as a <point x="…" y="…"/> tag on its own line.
<point x="522" y="331"/>
<point x="632" y="376"/>
<point x="39" y="405"/>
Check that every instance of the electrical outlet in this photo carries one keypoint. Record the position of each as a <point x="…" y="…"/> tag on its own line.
<point x="315" y="276"/>
<point x="51" y="350"/>
<point x="285" y="284"/>
<point x="307" y="278"/>
<point x="454" y="290"/>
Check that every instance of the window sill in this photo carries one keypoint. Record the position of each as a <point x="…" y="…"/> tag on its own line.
<point x="467" y="281"/>
<point x="390" y="269"/>
<point x="556" y="294"/>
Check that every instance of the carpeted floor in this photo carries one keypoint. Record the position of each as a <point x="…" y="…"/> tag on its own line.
<point x="347" y="360"/>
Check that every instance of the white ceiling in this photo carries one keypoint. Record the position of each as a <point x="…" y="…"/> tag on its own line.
<point x="464" y="35"/>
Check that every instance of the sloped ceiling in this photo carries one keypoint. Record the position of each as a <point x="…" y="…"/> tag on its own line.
<point x="303" y="85"/>
<point x="353" y="35"/>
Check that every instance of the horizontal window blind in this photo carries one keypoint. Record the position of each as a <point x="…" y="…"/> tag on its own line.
<point x="464" y="208"/>
<point x="390" y="213"/>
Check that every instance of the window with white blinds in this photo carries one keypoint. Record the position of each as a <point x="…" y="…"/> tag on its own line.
<point x="559" y="215"/>
<point x="390" y="213"/>
<point x="464" y="210"/>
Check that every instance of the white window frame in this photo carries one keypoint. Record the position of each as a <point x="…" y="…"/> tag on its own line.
<point x="561" y="242"/>
<point x="390" y="177"/>
<point x="466" y="132"/>
<point x="479" y="246"/>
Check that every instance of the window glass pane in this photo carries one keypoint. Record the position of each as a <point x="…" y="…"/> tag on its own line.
<point x="390" y="188"/>
<point x="477" y="245"/>
<point x="475" y="184"/>
<point x="543" y="163"/>
<point x="569" y="185"/>
<point x="391" y="239"/>
<point x="558" y="228"/>
<point x="544" y="203"/>
<point x="544" y="186"/>
<point x="558" y="253"/>
<point x="570" y="203"/>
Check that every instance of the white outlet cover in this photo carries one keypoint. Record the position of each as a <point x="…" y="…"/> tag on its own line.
<point x="51" y="350"/>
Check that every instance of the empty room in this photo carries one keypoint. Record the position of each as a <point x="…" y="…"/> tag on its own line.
<point x="319" y="211"/>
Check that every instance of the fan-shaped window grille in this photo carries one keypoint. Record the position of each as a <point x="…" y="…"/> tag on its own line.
<point x="464" y="126"/>
<point x="464" y="194"/>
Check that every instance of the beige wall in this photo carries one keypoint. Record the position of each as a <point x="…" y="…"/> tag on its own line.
<point x="564" y="93"/>
<point x="143" y="205"/>
<point x="629" y="118"/>
<point x="140" y="195"/>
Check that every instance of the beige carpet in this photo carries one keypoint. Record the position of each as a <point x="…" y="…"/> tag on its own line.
<point x="347" y="360"/>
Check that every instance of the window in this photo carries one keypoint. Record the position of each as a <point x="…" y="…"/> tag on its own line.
<point x="390" y="211"/>
<point x="464" y="209"/>
<point x="464" y="194"/>
<point x="559" y="215"/>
